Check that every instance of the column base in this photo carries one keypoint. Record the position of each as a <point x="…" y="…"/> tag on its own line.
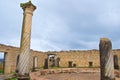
<point x="108" y="79"/>
<point x="34" y="70"/>
<point x="23" y="77"/>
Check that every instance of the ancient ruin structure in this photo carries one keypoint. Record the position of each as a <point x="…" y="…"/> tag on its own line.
<point x="23" y="59"/>
<point x="23" y="65"/>
<point x="106" y="59"/>
<point x="82" y="58"/>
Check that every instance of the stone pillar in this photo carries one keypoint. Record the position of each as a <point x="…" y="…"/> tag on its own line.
<point x="35" y="63"/>
<point x="106" y="59"/>
<point x="23" y="65"/>
<point x="57" y="61"/>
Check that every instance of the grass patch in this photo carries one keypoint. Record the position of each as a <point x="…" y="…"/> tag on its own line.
<point x="1" y="71"/>
<point x="12" y="79"/>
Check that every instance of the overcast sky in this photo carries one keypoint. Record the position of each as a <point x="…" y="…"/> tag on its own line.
<point x="62" y="24"/>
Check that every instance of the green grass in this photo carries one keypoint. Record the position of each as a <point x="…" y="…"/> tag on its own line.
<point x="12" y="79"/>
<point x="1" y="71"/>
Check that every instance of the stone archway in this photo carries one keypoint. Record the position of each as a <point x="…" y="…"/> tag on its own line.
<point x="51" y="60"/>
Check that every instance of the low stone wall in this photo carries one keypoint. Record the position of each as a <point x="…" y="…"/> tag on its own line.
<point x="66" y="70"/>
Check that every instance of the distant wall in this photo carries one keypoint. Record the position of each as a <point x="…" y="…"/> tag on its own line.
<point x="82" y="58"/>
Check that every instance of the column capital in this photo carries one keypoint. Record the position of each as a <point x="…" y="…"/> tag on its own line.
<point x="104" y="39"/>
<point x="28" y="5"/>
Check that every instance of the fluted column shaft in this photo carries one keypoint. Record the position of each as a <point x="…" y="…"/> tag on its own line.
<point x="106" y="59"/>
<point x="23" y="65"/>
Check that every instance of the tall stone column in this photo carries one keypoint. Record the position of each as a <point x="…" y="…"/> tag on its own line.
<point x="23" y="65"/>
<point x="106" y="59"/>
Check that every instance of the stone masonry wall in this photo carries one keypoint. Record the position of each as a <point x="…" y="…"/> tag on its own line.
<point x="11" y="54"/>
<point x="81" y="58"/>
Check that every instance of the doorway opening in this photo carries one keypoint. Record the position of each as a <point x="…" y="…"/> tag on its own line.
<point x="2" y="62"/>
<point x="51" y="59"/>
<point x="70" y="64"/>
<point x="116" y="66"/>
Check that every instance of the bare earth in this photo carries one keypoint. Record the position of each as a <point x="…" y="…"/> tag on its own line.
<point x="86" y="74"/>
<point x="70" y="76"/>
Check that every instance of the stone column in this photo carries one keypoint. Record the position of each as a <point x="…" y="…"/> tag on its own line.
<point x="23" y="65"/>
<point x="106" y="59"/>
<point x="35" y="63"/>
<point x="57" y="61"/>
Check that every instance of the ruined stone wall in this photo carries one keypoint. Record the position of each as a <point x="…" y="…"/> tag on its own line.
<point x="117" y="52"/>
<point x="40" y="58"/>
<point x="79" y="57"/>
<point x="82" y="58"/>
<point x="11" y="55"/>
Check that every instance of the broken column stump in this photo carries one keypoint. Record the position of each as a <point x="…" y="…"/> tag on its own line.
<point x="106" y="59"/>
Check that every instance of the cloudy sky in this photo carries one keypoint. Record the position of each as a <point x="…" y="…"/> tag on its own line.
<point x="62" y="24"/>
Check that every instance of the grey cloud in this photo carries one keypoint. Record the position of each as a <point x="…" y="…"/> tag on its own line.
<point x="65" y="24"/>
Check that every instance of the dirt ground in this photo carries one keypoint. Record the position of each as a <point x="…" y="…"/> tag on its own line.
<point x="84" y="74"/>
<point x="70" y="76"/>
